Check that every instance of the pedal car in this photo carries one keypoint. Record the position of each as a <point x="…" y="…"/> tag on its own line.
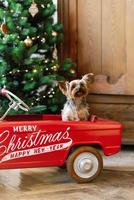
<point x="44" y="140"/>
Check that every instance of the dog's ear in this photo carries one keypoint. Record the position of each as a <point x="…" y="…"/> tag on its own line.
<point x="63" y="85"/>
<point x="88" y="78"/>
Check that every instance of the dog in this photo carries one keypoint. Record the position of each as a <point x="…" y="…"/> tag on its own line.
<point x="76" y="108"/>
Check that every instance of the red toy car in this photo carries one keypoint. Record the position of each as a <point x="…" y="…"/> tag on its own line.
<point x="44" y="140"/>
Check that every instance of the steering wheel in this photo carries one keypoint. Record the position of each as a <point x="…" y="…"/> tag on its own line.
<point x="15" y="102"/>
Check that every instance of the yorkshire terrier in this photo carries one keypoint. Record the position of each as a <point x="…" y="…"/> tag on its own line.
<point x="76" y="108"/>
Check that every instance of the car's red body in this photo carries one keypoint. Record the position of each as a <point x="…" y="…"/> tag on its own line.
<point x="44" y="140"/>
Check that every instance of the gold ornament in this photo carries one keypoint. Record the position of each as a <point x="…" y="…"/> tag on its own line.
<point x="54" y="33"/>
<point x="28" y="42"/>
<point x="4" y="28"/>
<point x="72" y="71"/>
<point x="33" y="10"/>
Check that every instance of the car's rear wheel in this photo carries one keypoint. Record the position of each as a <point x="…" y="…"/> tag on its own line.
<point x="84" y="164"/>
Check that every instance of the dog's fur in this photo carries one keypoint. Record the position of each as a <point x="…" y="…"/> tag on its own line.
<point x="76" y="91"/>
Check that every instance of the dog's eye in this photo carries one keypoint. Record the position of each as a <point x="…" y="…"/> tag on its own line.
<point x="73" y="86"/>
<point x="81" y="84"/>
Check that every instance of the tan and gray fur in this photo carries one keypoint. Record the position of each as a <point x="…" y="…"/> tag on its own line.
<point x="76" y="108"/>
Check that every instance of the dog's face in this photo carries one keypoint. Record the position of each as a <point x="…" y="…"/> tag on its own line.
<point x="76" y="88"/>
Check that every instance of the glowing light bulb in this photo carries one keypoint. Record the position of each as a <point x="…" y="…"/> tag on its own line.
<point x="42" y="6"/>
<point x="35" y="70"/>
<point x="46" y="61"/>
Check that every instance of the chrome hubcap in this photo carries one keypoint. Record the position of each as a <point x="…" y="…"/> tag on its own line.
<point x="86" y="165"/>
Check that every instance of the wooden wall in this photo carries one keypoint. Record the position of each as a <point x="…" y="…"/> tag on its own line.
<point x="99" y="36"/>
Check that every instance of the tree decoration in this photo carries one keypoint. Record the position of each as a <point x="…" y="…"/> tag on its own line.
<point x="29" y="62"/>
<point x="28" y="42"/>
<point x="72" y="71"/>
<point x="4" y="28"/>
<point x="43" y="40"/>
<point x="55" y="68"/>
<point x="33" y="10"/>
<point x="54" y="33"/>
<point x="55" y="54"/>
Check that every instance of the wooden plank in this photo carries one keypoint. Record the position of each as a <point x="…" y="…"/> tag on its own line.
<point x="101" y="85"/>
<point x="111" y="99"/>
<point x="52" y="183"/>
<point x="130" y="46"/>
<point x="67" y="14"/>
<point x="89" y="36"/>
<point x="113" y="38"/>
<point x="63" y="17"/>
<point x="119" y="112"/>
<point x="128" y="137"/>
<point x="73" y="29"/>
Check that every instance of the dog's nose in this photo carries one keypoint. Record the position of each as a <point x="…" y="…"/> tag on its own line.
<point x="77" y="89"/>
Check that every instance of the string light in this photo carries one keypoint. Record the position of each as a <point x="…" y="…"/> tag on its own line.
<point x="54" y="33"/>
<point x="35" y="71"/>
<point x="14" y="72"/>
<point x="43" y="40"/>
<point x="23" y="17"/>
<point x="18" y="27"/>
<point x="55" y="68"/>
<point x="46" y="61"/>
<point x="51" y="96"/>
<point x="48" y="5"/>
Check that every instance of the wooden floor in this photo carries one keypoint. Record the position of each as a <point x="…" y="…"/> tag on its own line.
<point x="114" y="183"/>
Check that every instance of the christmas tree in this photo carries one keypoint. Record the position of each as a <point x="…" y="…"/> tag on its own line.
<point x="29" y="66"/>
